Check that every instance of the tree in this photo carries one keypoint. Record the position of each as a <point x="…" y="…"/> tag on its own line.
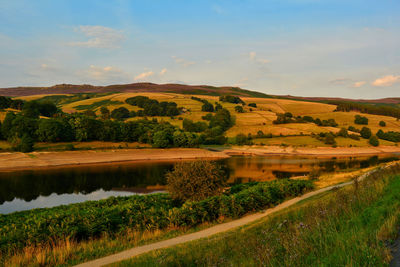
<point x="239" y="109"/>
<point x="222" y="118"/>
<point x="89" y="113"/>
<point x="343" y="132"/>
<point x="50" y="130"/>
<point x="161" y="139"/>
<point x="365" y="132"/>
<point x="360" y="120"/>
<point x="7" y="125"/>
<point x="254" y="105"/>
<point x="120" y="113"/>
<point x="330" y="139"/>
<point x="374" y="141"/>
<point x="241" y="139"/>
<point x="24" y="144"/>
<point x="382" y="123"/>
<point x="207" y="107"/>
<point x="105" y="113"/>
<point x="195" y="180"/>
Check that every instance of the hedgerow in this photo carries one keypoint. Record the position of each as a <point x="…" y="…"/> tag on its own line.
<point x="116" y="214"/>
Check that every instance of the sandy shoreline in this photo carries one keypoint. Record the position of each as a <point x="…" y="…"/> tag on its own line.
<point x="43" y="160"/>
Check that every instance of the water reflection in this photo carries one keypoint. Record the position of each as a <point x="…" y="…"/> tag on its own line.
<point x="44" y="188"/>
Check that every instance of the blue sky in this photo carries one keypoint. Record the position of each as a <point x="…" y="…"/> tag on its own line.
<point x="299" y="47"/>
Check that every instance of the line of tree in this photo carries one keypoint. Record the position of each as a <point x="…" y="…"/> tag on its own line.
<point x="283" y="118"/>
<point x="207" y="106"/>
<point x="367" y="108"/>
<point x="25" y="128"/>
<point x="389" y="136"/>
<point x="231" y="99"/>
<point x="152" y="107"/>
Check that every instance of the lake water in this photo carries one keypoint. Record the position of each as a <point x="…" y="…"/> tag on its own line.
<point x="24" y="190"/>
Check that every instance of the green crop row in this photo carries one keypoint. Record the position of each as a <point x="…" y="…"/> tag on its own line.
<point x="116" y="214"/>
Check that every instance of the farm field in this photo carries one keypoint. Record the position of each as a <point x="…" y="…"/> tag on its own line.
<point x="253" y="120"/>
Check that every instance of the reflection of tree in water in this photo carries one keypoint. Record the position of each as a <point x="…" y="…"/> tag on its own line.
<point x="30" y="185"/>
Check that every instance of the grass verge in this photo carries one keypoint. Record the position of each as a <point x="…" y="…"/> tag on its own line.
<point x="345" y="227"/>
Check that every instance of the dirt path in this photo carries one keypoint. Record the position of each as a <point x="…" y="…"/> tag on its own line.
<point x="204" y="233"/>
<point x="396" y="253"/>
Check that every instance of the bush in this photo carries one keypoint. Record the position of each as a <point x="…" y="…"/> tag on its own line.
<point x="239" y="109"/>
<point x="382" y="123"/>
<point x="254" y="105"/>
<point x="360" y="120"/>
<point x="195" y="180"/>
<point x="365" y="133"/>
<point x="374" y="141"/>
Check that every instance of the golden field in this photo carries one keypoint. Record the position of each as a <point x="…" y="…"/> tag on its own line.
<point x="253" y="119"/>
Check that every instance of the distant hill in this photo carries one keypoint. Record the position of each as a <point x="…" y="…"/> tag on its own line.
<point x="173" y="88"/>
<point x="131" y="88"/>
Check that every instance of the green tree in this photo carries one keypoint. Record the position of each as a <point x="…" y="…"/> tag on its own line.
<point x="239" y="109"/>
<point x="120" y="113"/>
<point x="374" y="141"/>
<point x="365" y="132"/>
<point x="105" y="113"/>
<point x="360" y="120"/>
<point x="161" y="139"/>
<point x="382" y="123"/>
<point x="195" y="180"/>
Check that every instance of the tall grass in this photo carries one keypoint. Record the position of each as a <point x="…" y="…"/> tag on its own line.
<point x="346" y="227"/>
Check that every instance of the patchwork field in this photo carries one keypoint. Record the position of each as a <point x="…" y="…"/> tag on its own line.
<point x="251" y="121"/>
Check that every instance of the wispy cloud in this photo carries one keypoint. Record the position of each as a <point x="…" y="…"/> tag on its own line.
<point x="340" y="81"/>
<point x="99" y="37"/>
<point x="144" y="75"/>
<point x="385" y="81"/>
<point x="183" y="62"/>
<point x="358" y="84"/>
<point x="163" y="71"/>
<point x="104" y="74"/>
<point x="253" y="56"/>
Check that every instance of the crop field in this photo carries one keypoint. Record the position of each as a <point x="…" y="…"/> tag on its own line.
<point x="253" y="120"/>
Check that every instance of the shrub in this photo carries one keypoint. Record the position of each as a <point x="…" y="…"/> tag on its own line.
<point x="195" y="180"/>
<point x="241" y="139"/>
<point x="382" y="123"/>
<point x="314" y="174"/>
<point x="374" y="141"/>
<point x="254" y="105"/>
<point x="365" y="133"/>
<point x="360" y="120"/>
<point x="239" y="109"/>
<point x="330" y="139"/>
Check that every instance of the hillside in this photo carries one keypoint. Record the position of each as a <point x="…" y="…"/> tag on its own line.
<point x="129" y="88"/>
<point x="251" y="121"/>
<point x="174" y="88"/>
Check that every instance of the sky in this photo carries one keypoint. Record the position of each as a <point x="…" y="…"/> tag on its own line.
<point x="348" y="48"/>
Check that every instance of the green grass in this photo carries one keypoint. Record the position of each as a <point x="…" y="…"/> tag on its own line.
<point x="95" y="105"/>
<point x="346" y="227"/>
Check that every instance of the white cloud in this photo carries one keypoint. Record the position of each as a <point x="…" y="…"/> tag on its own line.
<point x="183" y="62"/>
<point x="144" y="75"/>
<point x="99" y="37"/>
<point x="253" y="57"/>
<point x="163" y="71"/>
<point x="388" y="80"/>
<point x="340" y="81"/>
<point x="107" y="73"/>
<point x="358" y="84"/>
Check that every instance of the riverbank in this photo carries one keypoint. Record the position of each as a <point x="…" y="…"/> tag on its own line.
<point x="14" y="161"/>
